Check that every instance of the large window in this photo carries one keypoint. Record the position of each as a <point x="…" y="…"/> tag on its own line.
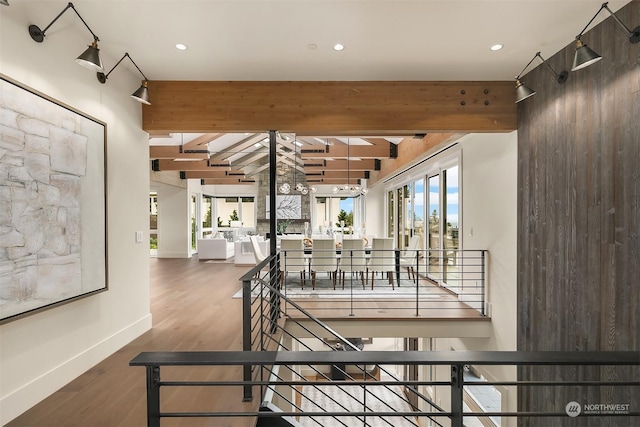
<point x="433" y="215"/>
<point x="207" y="215"/>
<point x="330" y="210"/>
<point x="234" y="209"/>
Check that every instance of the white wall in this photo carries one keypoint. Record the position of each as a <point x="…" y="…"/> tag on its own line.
<point x="42" y="352"/>
<point x="174" y="230"/>
<point x="376" y="211"/>
<point x="489" y="209"/>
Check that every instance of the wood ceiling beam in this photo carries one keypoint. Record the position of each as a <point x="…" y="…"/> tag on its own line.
<point x="376" y="141"/>
<point x="331" y="181"/>
<point x="173" y="152"/>
<point x="337" y="174"/>
<point x="203" y="165"/>
<point x="344" y="151"/>
<point x="231" y="181"/>
<point x="201" y="141"/>
<point x="375" y="108"/>
<point x="337" y="165"/>
<point x="214" y="174"/>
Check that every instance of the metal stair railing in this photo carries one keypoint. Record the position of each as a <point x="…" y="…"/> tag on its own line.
<point x="264" y="328"/>
<point x="612" y="373"/>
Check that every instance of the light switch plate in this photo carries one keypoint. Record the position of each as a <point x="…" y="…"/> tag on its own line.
<point x="138" y="236"/>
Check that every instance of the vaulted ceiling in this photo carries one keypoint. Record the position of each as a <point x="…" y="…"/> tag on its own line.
<point x="238" y="158"/>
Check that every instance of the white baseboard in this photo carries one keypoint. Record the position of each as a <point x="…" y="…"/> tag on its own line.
<point x="27" y="396"/>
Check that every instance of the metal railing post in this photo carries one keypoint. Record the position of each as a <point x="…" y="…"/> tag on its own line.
<point x="153" y="396"/>
<point x="246" y="336"/>
<point x="417" y="276"/>
<point x="274" y="298"/>
<point x="457" y="380"/>
<point x="482" y="280"/>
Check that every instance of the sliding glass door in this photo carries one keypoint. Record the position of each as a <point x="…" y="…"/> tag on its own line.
<point x="429" y="208"/>
<point x="443" y="238"/>
<point x="434" y="269"/>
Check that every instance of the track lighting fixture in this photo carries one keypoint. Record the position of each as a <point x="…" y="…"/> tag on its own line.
<point x="584" y="55"/>
<point x="523" y="91"/>
<point x="140" y="95"/>
<point x="90" y="58"/>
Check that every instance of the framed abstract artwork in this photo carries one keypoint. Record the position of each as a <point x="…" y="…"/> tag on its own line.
<point x="287" y="207"/>
<point x="53" y="247"/>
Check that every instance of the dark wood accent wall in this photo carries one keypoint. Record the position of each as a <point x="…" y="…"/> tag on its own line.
<point x="579" y="218"/>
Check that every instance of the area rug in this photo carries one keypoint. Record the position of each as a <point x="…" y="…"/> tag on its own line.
<point x="352" y="399"/>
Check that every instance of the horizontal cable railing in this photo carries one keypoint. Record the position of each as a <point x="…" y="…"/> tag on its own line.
<point x="434" y="283"/>
<point x="264" y="330"/>
<point x="456" y="361"/>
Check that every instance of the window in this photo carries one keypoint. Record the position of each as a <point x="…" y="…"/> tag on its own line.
<point x="229" y="209"/>
<point x="329" y="211"/>
<point x="433" y="215"/>
<point x="207" y="213"/>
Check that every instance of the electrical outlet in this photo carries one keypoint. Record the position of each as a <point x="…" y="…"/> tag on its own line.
<point x="138" y="236"/>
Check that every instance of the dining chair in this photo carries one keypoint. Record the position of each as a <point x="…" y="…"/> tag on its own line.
<point x="383" y="259"/>
<point x="409" y="256"/>
<point x="324" y="258"/>
<point x="257" y="251"/>
<point x="353" y="259"/>
<point x="292" y="259"/>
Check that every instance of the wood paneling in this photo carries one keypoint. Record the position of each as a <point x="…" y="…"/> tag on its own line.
<point x="579" y="217"/>
<point x="411" y="151"/>
<point x="323" y="107"/>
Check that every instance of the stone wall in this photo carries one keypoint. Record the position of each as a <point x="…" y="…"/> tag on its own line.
<point x="297" y="225"/>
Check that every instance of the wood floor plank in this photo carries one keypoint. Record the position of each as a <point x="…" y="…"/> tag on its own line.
<point x="193" y="309"/>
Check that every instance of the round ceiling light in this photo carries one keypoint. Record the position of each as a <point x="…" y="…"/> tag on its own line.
<point x="338" y="47"/>
<point x="181" y="46"/>
<point x="496" y="47"/>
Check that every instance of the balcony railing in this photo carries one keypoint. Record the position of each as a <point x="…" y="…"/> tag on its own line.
<point x="556" y="412"/>
<point x="418" y="283"/>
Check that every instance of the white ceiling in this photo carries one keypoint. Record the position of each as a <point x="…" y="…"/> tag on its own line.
<point x="269" y="40"/>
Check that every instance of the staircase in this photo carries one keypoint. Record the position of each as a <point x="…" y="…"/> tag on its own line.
<point x="265" y="330"/>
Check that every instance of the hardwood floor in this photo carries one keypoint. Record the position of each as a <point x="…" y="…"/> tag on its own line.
<point x="193" y="309"/>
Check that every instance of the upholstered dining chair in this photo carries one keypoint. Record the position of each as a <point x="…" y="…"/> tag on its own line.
<point x="292" y="259"/>
<point x="383" y="259"/>
<point x="353" y="259"/>
<point x="324" y="258"/>
<point x="409" y="256"/>
<point x="257" y="252"/>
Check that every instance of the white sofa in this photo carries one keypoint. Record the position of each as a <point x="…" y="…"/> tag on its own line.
<point x="215" y="248"/>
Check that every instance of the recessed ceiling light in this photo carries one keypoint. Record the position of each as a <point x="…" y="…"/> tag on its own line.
<point x="312" y="46"/>
<point x="257" y="145"/>
<point x="338" y="47"/>
<point x="181" y="46"/>
<point x="496" y="47"/>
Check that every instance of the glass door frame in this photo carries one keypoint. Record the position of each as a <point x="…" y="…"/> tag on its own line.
<point x="395" y="227"/>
